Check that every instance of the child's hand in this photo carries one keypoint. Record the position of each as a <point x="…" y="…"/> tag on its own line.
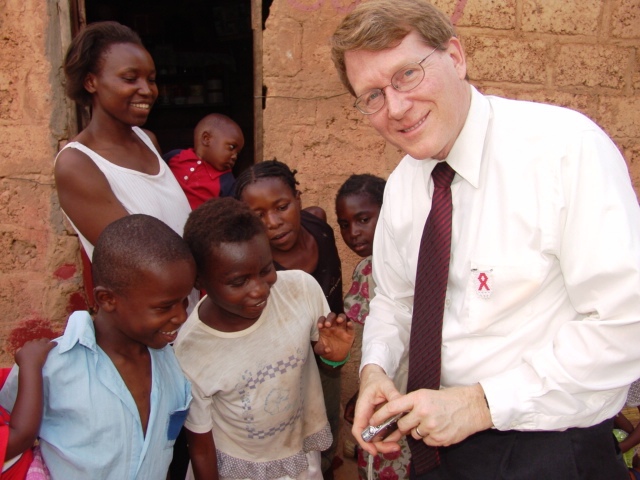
<point x="34" y="353"/>
<point x="336" y="337"/>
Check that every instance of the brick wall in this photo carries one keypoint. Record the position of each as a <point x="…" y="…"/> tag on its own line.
<point x="39" y="279"/>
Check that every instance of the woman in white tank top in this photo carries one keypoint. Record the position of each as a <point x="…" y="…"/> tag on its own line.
<point x="112" y="168"/>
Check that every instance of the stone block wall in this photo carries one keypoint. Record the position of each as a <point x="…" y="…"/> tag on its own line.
<point x="39" y="277"/>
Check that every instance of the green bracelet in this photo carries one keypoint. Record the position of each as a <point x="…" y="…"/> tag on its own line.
<point x="335" y="364"/>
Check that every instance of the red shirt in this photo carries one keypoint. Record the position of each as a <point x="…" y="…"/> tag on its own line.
<point x="199" y="180"/>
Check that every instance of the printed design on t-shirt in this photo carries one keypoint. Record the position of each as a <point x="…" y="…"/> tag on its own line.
<point x="276" y="402"/>
<point x="270" y="371"/>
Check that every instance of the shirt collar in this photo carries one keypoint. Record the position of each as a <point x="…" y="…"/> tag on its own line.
<point x="80" y="330"/>
<point x="466" y="155"/>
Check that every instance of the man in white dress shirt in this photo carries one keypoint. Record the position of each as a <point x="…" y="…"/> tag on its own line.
<point x="542" y="309"/>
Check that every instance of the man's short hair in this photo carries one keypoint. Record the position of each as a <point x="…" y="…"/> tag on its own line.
<point x="380" y="24"/>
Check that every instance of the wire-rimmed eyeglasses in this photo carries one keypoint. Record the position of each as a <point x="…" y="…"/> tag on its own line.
<point x="405" y="79"/>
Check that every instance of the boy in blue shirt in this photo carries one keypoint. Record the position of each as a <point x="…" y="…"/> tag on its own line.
<point x="114" y="395"/>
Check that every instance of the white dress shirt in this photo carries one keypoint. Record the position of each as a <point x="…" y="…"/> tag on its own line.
<point x="543" y="298"/>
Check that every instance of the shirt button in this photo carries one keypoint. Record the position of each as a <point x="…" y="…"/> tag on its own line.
<point x="199" y="162"/>
<point x="186" y="178"/>
<point x="447" y="302"/>
<point x="192" y="169"/>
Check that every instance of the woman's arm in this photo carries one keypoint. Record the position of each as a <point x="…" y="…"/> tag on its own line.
<point x="85" y="194"/>
<point x="202" y="450"/>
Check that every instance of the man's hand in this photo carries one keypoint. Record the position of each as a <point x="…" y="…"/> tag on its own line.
<point x="442" y="417"/>
<point x="376" y="388"/>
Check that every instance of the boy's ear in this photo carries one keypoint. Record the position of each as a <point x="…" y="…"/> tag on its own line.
<point x="205" y="139"/>
<point x="105" y="298"/>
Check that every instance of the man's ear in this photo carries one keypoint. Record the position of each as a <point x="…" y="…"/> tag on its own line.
<point x="90" y="83"/>
<point x="105" y="299"/>
<point x="456" y="53"/>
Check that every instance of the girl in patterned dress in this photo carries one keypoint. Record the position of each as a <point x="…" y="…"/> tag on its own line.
<point x="358" y="205"/>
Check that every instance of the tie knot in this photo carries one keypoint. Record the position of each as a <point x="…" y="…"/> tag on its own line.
<point x="443" y="175"/>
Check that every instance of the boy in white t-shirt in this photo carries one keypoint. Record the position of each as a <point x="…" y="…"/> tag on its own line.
<point x="258" y="410"/>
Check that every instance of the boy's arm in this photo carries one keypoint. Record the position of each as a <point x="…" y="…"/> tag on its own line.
<point x="27" y="410"/>
<point x="202" y="450"/>
<point x="336" y="337"/>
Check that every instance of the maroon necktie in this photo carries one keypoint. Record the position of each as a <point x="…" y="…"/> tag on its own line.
<point x="428" y="304"/>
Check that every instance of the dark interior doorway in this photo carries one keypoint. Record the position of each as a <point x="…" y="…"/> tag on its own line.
<point x="203" y="51"/>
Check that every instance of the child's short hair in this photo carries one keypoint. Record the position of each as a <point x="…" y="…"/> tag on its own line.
<point x="85" y="54"/>
<point x="216" y="221"/>
<point x="213" y="121"/>
<point x="266" y="169"/>
<point x="363" y="184"/>
<point x="131" y="245"/>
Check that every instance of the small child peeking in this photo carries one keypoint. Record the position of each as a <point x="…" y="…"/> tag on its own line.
<point x="204" y="171"/>
<point x="248" y="348"/>
<point x="358" y="205"/>
<point x="19" y="431"/>
<point x="114" y="395"/>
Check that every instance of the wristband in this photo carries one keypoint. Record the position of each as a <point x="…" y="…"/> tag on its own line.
<point x="335" y="364"/>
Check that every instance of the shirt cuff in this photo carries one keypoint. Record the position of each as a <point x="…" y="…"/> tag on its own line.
<point x="379" y="354"/>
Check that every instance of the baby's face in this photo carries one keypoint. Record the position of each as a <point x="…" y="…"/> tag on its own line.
<point x="224" y="146"/>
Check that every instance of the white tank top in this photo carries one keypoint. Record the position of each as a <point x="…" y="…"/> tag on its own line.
<point x="157" y="195"/>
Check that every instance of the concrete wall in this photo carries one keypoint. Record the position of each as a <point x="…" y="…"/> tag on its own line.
<point x="39" y="280"/>
<point x="582" y="54"/>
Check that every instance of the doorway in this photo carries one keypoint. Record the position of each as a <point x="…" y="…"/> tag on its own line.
<point x="204" y="56"/>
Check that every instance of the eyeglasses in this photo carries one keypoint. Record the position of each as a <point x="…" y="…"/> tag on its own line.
<point x="405" y="79"/>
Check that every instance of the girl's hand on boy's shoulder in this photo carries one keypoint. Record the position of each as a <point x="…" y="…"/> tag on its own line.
<point x="34" y="353"/>
<point x="336" y="337"/>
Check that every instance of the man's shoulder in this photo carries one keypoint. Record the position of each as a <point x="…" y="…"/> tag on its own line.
<point x="537" y="115"/>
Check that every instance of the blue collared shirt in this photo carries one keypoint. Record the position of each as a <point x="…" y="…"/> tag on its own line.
<point x="91" y="426"/>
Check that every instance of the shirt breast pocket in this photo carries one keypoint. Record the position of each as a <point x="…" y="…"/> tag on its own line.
<point x="176" y="421"/>
<point x="500" y="297"/>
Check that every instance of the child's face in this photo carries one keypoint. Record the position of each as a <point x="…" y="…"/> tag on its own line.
<point x="220" y="148"/>
<point x="357" y="218"/>
<point x="125" y="86"/>
<point x="238" y="279"/>
<point x="152" y="310"/>
<point x="279" y="209"/>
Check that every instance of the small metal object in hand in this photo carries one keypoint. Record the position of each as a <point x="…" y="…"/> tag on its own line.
<point x="377" y="433"/>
